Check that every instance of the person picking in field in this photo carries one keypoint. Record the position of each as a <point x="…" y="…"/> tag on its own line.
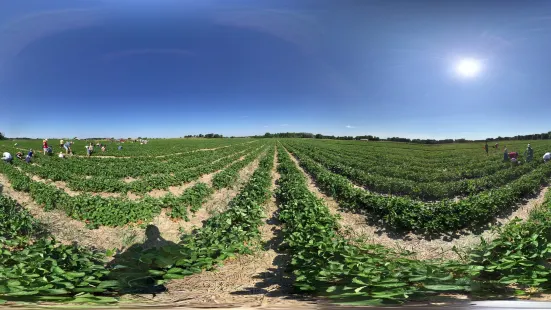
<point x="29" y="156"/>
<point x="19" y="155"/>
<point x="529" y="153"/>
<point x="67" y="147"/>
<point x="514" y="157"/>
<point x="103" y="148"/>
<point x="547" y="157"/>
<point x="61" y="155"/>
<point x="61" y="143"/>
<point x="505" y="156"/>
<point x="6" y="156"/>
<point x="45" y="146"/>
<point x="486" y="148"/>
<point x="89" y="149"/>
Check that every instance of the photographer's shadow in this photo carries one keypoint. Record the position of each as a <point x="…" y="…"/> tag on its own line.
<point x="131" y="268"/>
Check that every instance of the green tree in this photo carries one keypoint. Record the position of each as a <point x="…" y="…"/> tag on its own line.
<point x="2" y="137"/>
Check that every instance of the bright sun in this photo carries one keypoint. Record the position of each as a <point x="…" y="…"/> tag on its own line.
<point x="468" y="67"/>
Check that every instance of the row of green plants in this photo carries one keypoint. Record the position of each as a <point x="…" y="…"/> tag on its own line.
<point x="405" y="168"/>
<point x="98" y="211"/>
<point x="229" y="176"/>
<point x="155" y="147"/>
<point x="192" y="198"/>
<point x="518" y="258"/>
<point x="412" y="169"/>
<point x="224" y="235"/>
<point x="425" y="156"/>
<point x="406" y="214"/>
<point x="93" y="210"/>
<point x="324" y="262"/>
<point x="428" y="155"/>
<point x="176" y="175"/>
<point x="419" y="163"/>
<point x="36" y="267"/>
<point x="419" y="190"/>
<point x="185" y="176"/>
<point x="515" y="262"/>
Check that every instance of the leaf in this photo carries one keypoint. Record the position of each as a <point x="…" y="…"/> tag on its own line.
<point x="54" y="291"/>
<point x="156" y="272"/>
<point x="72" y="275"/>
<point x="366" y="302"/>
<point x="22" y="293"/>
<point x="331" y="289"/>
<point x="172" y="276"/>
<point x="442" y="287"/>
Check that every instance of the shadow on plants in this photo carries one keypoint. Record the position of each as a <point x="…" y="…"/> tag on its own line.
<point x="132" y="268"/>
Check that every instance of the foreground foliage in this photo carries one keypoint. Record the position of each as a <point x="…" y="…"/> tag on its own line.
<point x="34" y="265"/>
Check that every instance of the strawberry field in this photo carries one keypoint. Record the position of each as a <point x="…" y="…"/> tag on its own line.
<point x="153" y="217"/>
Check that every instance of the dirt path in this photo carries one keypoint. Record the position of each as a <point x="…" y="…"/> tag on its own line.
<point x="248" y="280"/>
<point x="170" y="229"/>
<point x="68" y="230"/>
<point x="355" y="226"/>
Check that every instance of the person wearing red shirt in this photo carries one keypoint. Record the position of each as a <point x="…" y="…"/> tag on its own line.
<point x="45" y="145"/>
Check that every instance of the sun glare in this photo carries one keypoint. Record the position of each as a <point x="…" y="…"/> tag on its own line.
<point x="468" y="67"/>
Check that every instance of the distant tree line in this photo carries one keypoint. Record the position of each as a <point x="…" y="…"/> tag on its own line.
<point x="536" y="136"/>
<point x="540" y="136"/>
<point x="208" y="135"/>
<point x="315" y="136"/>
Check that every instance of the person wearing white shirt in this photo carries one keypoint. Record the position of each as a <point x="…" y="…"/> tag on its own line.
<point x="547" y="157"/>
<point x="7" y="157"/>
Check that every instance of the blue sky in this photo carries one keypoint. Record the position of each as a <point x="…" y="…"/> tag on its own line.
<point x="170" y="68"/>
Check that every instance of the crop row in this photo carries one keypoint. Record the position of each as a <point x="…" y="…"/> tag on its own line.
<point x="192" y="199"/>
<point x="402" y="213"/>
<point x="405" y="169"/>
<point x="155" y="147"/>
<point x="425" y="156"/>
<point x="324" y="262"/>
<point x="519" y="255"/>
<point x="408" y="168"/>
<point x="425" y="191"/>
<point x="110" y="211"/>
<point x="231" y="232"/>
<point x="229" y="176"/>
<point x="182" y="173"/>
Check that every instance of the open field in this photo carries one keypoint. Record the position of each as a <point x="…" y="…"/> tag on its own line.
<point x="274" y="222"/>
